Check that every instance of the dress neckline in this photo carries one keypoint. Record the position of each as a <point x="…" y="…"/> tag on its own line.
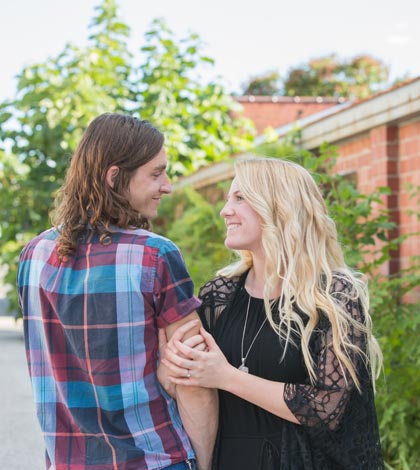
<point x="253" y="297"/>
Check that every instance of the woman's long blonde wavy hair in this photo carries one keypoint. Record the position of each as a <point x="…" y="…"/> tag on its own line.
<point x="85" y="199"/>
<point x="303" y="254"/>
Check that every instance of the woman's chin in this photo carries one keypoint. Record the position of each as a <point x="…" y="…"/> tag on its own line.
<point x="227" y="244"/>
<point x="231" y="245"/>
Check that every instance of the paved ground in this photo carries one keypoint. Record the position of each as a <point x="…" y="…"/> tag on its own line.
<point x="21" y="446"/>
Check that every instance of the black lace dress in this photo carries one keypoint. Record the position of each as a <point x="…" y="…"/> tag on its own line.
<point x="338" y="424"/>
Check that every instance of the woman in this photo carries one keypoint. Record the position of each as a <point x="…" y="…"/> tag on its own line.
<point x="290" y="345"/>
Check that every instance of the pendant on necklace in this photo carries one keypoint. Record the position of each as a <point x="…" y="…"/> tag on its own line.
<point x="243" y="367"/>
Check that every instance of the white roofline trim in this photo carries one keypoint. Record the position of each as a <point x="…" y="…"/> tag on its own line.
<point x="362" y="117"/>
<point x="330" y="125"/>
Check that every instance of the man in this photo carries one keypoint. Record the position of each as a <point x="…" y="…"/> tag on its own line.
<point x="94" y="290"/>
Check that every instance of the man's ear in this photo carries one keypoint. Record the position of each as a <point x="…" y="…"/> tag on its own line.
<point x="111" y="174"/>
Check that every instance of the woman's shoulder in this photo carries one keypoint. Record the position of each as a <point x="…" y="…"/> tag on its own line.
<point x="343" y="281"/>
<point x="347" y="286"/>
<point x="218" y="289"/>
<point x="349" y="292"/>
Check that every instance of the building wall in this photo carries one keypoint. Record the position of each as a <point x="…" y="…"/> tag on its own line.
<point x="355" y="156"/>
<point x="409" y="172"/>
<point x="268" y="111"/>
<point x="389" y="155"/>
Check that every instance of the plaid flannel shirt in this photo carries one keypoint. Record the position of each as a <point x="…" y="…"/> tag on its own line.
<point x="90" y="326"/>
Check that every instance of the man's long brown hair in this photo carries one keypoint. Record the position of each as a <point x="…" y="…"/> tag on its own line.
<point x="85" y="199"/>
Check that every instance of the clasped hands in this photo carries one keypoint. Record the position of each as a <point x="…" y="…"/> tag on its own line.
<point x="194" y="361"/>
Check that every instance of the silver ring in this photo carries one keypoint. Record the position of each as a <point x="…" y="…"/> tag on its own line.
<point x="188" y="374"/>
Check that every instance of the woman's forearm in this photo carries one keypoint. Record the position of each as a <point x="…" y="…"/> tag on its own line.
<point x="266" y="394"/>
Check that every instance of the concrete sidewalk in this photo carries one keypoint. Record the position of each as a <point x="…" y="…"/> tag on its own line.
<point x="21" y="444"/>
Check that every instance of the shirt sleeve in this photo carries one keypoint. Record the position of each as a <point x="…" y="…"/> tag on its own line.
<point x="324" y="403"/>
<point x="173" y="289"/>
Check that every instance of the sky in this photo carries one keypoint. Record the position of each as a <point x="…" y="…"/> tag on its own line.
<point x="245" y="38"/>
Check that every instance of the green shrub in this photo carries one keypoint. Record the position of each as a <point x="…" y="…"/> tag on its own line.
<point x="199" y="231"/>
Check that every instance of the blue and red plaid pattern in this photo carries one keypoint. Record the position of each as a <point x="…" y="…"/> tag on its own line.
<point x="90" y="326"/>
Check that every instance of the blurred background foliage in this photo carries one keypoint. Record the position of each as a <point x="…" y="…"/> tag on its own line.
<point x="55" y="101"/>
<point x="329" y="75"/>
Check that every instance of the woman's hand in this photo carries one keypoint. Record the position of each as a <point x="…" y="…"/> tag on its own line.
<point x="196" y="342"/>
<point x="191" y="367"/>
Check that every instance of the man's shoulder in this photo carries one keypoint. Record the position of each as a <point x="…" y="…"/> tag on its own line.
<point x="49" y="234"/>
<point x="147" y="239"/>
<point x="163" y="244"/>
<point x="44" y="237"/>
<point x="36" y="253"/>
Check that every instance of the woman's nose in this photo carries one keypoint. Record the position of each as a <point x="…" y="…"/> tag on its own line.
<point x="226" y="210"/>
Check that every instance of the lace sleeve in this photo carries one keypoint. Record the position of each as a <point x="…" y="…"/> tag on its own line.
<point x="324" y="403"/>
<point x="215" y="296"/>
<point x="205" y="310"/>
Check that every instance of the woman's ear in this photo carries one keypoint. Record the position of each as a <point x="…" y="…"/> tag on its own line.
<point x="111" y="174"/>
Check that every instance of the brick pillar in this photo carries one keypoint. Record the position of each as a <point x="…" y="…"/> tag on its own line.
<point x="409" y="170"/>
<point x="384" y="172"/>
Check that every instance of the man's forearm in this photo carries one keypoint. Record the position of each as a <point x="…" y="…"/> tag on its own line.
<point x="199" y="410"/>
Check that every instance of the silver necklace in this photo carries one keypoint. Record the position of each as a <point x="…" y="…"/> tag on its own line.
<point x="243" y="367"/>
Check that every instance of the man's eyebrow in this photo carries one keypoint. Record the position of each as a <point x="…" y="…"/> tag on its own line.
<point x="160" y="167"/>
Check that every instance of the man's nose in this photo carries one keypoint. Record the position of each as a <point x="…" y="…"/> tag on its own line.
<point x="166" y="186"/>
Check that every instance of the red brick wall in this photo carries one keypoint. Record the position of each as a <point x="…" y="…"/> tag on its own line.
<point x="355" y="156"/>
<point x="409" y="170"/>
<point x="273" y="114"/>
<point x="389" y="156"/>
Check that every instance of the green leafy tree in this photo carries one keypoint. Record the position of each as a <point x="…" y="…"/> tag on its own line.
<point x="56" y="100"/>
<point x="197" y="119"/>
<point x="363" y="75"/>
<point x="357" y="77"/>
<point x="266" y="84"/>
